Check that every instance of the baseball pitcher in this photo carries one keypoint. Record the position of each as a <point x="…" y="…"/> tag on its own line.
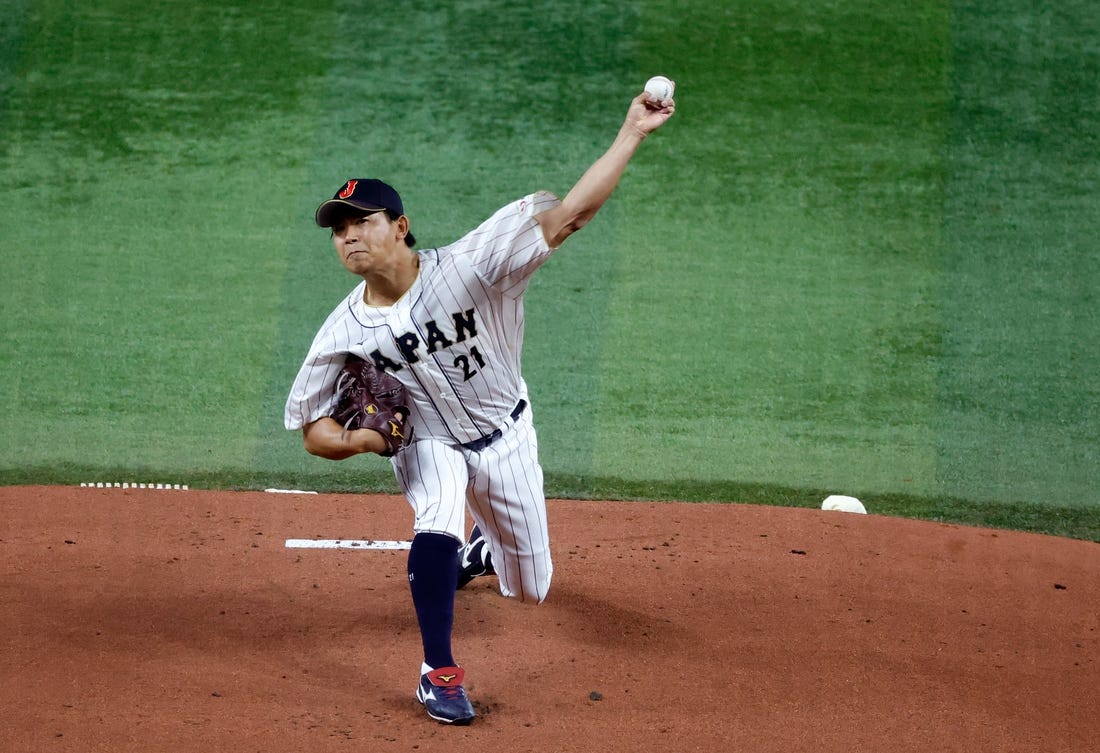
<point x="421" y="363"/>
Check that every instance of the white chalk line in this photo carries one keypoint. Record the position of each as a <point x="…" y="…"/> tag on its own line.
<point x="346" y="544"/>
<point x="178" y="487"/>
<point x="290" y="543"/>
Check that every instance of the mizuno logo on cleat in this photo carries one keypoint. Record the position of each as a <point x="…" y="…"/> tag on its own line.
<point x="447" y="678"/>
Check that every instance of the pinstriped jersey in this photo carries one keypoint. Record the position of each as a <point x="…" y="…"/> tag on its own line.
<point x="454" y="339"/>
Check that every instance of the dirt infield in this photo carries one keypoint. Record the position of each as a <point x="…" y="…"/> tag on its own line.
<point x="143" y="620"/>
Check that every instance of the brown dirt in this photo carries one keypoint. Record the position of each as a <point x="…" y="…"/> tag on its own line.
<point x="143" y="620"/>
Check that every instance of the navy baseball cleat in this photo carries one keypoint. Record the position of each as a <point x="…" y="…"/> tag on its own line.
<point x="474" y="559"/>
<point x="443" y="696"/>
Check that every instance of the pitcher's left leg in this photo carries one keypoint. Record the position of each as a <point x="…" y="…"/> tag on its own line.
<point x="509" y="505"/>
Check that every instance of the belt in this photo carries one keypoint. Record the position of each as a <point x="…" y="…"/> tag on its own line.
<point x="481" y="443"/>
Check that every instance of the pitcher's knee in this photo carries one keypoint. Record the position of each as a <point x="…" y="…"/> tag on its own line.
<point x="533" y="588"/>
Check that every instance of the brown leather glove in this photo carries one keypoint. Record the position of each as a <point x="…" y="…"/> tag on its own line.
<point x="368" y="398"/>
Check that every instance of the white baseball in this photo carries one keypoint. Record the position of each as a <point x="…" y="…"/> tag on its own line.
<point x="660" y="88"/>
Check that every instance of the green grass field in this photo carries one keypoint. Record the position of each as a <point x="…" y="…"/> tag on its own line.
<point x="861" y="259"/>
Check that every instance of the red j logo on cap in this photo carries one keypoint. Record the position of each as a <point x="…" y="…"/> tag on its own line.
<point x="349" y="189"/>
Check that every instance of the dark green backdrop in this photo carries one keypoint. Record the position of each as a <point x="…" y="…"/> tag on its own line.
<point x="861" y="259"/>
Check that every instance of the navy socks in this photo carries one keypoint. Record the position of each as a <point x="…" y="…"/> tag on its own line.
<point x="433" y="573"/>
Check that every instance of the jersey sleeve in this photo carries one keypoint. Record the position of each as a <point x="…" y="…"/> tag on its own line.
<point x="314" y="390"/>
<point x="508" y="247"/>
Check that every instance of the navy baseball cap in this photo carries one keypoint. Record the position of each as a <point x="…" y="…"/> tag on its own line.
<point x="366" y="194"/>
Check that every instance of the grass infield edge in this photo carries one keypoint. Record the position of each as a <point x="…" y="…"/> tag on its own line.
<point x="1074" y="522"/>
